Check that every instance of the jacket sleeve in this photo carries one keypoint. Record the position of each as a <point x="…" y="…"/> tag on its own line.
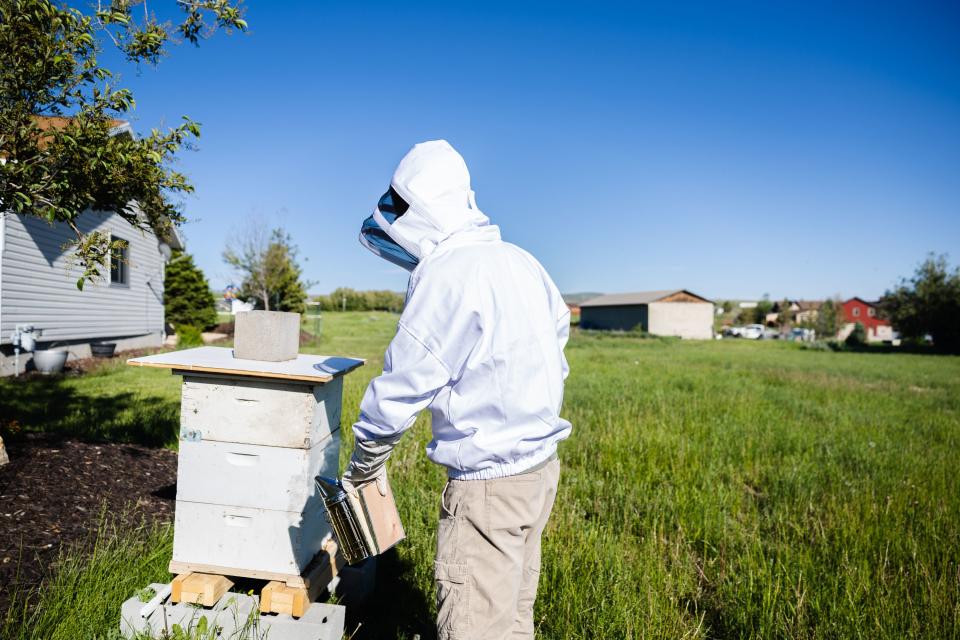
<point x="412" y="376"/>
<point x="562" y="314"/>
<point x="563" y="335"/>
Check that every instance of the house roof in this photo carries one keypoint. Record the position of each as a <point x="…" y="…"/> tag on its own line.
<point x="869" y="303"/>
<point x="47" y="123"/>
<point x="639" y="297"/>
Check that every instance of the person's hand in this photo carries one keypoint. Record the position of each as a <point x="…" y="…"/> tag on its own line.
<point x="352" y="486"/>
<point x="368" y="463"/>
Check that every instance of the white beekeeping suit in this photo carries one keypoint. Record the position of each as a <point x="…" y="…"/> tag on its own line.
<point x="480" y="341"/>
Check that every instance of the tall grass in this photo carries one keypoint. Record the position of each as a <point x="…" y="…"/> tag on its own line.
<point x="82" y="598"/>
<point x="709" y="490"/>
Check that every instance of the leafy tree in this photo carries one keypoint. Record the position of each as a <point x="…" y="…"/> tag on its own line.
<point x="268" y="266"/>
<point x="288" y="291"/>
<point x="759" y="313"/>
<point x="187" y="299"/>
<point x="829" y="319"/>
<point x="927" y="303"/>
<point x="60" y="151"/>
<point x="784" y="316"/>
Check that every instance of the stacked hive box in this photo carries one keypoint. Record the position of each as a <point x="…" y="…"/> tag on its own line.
<point x="253" y="437"/>
<point x="249" y="451"/>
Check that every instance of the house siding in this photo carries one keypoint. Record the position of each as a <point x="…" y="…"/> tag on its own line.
<point x="688" y="320"/>
<point x="878" y="329"/>
<point x="39" y="283"/>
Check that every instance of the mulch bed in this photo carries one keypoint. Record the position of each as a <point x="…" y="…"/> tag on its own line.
<point x="52" y="494"/>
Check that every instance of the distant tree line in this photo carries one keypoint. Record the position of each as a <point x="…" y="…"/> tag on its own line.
<point x="346" y="299"/>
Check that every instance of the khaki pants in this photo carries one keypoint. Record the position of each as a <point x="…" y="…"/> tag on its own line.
<point x="488" y="554"/>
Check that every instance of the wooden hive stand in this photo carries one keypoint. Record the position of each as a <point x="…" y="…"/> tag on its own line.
<point x="294" y="599"/>
<point x="199" y="588"/>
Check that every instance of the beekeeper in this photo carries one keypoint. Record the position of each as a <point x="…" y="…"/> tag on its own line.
<point x="480" y="343"/>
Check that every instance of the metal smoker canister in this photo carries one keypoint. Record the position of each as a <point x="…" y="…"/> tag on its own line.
<point x="344" y="520"/>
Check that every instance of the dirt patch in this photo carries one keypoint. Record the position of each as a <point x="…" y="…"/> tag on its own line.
<point x="53" y="491"/>
<point x="86" y="365"/>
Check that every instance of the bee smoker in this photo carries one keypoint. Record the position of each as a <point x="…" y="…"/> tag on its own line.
<point x="347" y="525"/>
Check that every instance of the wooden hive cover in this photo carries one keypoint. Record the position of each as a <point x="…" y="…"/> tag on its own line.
<point x="220" y="360"/>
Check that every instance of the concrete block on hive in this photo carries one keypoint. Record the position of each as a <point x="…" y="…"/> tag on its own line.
<point x="273" y="336"/>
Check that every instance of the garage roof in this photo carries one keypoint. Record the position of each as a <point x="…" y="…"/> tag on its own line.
<point x="642" y="297"/>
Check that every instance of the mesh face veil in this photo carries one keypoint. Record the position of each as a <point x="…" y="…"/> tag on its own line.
<point x="391" y="206"/>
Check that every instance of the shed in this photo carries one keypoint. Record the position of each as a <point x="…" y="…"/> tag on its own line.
<point x="673" y="312"/>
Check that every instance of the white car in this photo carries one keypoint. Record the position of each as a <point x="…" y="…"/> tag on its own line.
<point x="752" y="332"/>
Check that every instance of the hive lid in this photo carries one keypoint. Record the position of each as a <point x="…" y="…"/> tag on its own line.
<point x="306" y="367"/>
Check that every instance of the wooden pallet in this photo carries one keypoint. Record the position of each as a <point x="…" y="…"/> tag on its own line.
<point x="201" y="584"/>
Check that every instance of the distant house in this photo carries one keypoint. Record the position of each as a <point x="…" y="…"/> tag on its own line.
<point x="808" y="311"/>
<point x="675" y="312"/>
<point x="866" y="313"/>
<point x="38" y="285"/>
<point x="798" y="311"/>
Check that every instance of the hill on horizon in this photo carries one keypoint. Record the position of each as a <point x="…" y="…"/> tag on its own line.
<point x="577" y="298"/>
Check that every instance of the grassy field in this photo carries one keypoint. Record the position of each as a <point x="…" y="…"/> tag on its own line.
<point x="710" y="490"/>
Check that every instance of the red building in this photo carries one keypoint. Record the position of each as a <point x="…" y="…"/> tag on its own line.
<point x="866" y="313"/>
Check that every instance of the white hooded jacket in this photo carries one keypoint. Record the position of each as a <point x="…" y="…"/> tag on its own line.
<point x="481" y="338"/>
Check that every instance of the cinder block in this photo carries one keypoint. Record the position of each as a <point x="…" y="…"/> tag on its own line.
<point x="273" y="336"/>
<point x="236" y="616"/>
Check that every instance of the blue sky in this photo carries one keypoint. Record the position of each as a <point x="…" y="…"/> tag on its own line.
<point x="734" y="149"/>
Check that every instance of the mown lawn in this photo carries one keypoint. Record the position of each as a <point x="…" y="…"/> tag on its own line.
<point x="709" y="490"/>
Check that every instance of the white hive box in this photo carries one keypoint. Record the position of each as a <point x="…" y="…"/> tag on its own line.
<point x="253" y="436"/>
<point x="265" y="411"/>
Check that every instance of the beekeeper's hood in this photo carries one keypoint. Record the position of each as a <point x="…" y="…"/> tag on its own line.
<point x="428" y="201"/>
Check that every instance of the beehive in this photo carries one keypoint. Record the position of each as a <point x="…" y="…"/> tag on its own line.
<point x="253" y="436"/>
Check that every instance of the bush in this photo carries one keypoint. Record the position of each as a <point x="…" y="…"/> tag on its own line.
<point x="927" y="304"/>
<point x="189" y="336"/>
<point x="187" y="299"/>
<point x="857" y="337"/>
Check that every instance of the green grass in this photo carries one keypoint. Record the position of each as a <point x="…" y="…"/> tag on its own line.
<point x="724" y="489"/>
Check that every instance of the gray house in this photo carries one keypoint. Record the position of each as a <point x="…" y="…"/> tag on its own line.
<point x="38" y="287"/>
<point x="675" y="312"/>
<point x="38" y="282"/>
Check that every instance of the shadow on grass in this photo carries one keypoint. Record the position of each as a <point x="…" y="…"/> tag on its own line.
<point x="58" y="409"/>
<point x="913" y="348"/>
<point x="402" y="609"/>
